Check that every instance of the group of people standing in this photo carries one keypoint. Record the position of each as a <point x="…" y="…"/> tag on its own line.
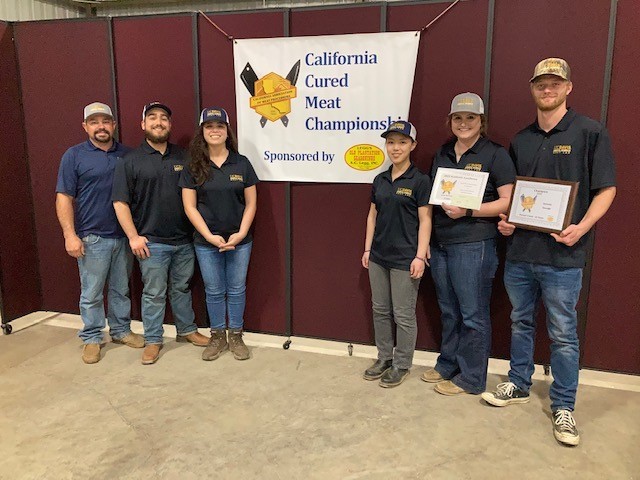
<point x="404" y="233"/>
<point x="114" y="203"/>
<point x="167" y="207"/>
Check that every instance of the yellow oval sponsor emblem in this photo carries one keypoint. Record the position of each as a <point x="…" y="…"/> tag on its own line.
<point x="364" y="157"/>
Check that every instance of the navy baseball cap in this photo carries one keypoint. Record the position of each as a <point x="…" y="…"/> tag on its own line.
<point x="214" y="114"/>
<point x="152" y="105"/>
<point x="402" y="127"/>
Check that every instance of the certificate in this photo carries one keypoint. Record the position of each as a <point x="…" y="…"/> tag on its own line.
<point x="542" y="204"/>
<point x="461" y="188"/>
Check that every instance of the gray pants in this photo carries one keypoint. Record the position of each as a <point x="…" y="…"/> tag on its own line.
<point x="393" y="296"/>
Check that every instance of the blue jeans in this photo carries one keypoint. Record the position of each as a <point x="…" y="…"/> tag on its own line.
<point x="463" y="276"/>
<point x="106" y="261"/>
<point x="225" y="276"/>
<point x="560" y="290"/>
<point x="169" y="267"/>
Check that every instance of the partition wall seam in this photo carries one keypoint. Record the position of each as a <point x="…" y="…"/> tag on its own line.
<point x="195" y="32"/>
<point x="287" y="224"/>
<point x="608" y="66"/>
<point x="112" y="65"/>
<point x="383" y="16"/>
<point x="26" y="156"/>
<point x="488" y="54"/>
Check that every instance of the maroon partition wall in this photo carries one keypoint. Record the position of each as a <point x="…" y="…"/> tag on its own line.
<point x="266" y="307"/>
<point x="58" y="80"/>
<point x="525" y="33"/>
<point x="613" y="329"/>
<point x="330" y="293"/>
<point x="442" y="71"/>
<point x="19" y="276"/>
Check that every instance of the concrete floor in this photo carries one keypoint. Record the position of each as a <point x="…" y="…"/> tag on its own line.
<point x="281" y="415"/>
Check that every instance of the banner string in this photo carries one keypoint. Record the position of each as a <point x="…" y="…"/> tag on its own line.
<point x="214" y="24"/>
<point x="435" y="19"/>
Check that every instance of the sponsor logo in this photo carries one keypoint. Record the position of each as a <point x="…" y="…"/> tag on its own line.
<point x="364" y="157"/>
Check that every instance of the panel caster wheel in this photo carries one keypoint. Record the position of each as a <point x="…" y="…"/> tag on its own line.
<point x="286" y="344"/>
<point x="350" y="349"/>
<point x="7" y="328"/>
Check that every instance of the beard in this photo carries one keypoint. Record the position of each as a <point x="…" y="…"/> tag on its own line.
<point x="550" y="106"/>
<point x="102" y="139"/>
<point x="161" y="137"/>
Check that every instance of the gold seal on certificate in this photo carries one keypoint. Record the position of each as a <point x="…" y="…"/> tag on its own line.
<point x="461" y="188"/>
<point x="542" y="204"/>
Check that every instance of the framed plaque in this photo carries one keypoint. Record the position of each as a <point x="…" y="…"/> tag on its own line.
<point x="461" y="188"/>
<point x="542" y="204"/>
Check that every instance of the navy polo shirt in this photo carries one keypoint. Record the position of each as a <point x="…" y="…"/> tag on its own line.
<point x="220" y="199"/>
<point x="484" y="156"/>
<point x="395" y="239"/>
<point x="86" y="174"/>
<point x="578" y="149"/>
<point x="148" y="181"/>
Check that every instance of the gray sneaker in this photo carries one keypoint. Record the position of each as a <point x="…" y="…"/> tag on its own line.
<point x="564" y="428"/>
<point x="217" y="345"/>
<point x="236" y="344"/>
<point x="506" y="394"/>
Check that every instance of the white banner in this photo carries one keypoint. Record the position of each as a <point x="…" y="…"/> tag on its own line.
<point x="311" y="109"/>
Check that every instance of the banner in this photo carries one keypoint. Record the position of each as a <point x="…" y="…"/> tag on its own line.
<point x="311" y="109"/>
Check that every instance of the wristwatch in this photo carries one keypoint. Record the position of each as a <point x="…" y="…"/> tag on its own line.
<point x="469" y="213"/>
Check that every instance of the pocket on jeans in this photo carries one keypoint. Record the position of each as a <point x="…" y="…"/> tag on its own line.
<point x="91" y="239"/>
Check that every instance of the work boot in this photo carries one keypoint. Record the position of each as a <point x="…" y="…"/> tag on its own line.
<point x="236" y="344"/>
<point x="376" y="370"/>
<point x="91" y="353"/>
<point x="393" y="377"/>
<point x="432" y="376"/>
<point x="217" y="344"/>
<point x="151" y="353"/>
<point x="195" y="338"/>
<point x="449" y="388"/>
<point x="131" y="339"/>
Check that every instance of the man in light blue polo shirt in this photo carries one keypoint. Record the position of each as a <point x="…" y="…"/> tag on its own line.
<point x="92" y="233"/>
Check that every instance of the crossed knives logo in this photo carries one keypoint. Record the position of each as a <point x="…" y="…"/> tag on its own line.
<point x="271" y="95"/>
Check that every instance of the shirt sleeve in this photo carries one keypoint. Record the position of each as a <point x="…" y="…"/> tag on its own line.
<point x="122" y="181"/>
<point x="503" y="171"/>
<point x="251" y="177"/>
<point x="423" y="191"/>
<point x="186" y="179"/>
<point x="67" y="175"/>
<point x="602" y="163"/>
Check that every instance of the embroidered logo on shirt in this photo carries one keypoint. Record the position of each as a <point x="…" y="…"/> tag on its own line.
<point x="235" y="178"/>
<point x="474" y="166"/>
<point x="407" y="192"/>
<point x="563" y="149"/>
<point x="178" y="168"/>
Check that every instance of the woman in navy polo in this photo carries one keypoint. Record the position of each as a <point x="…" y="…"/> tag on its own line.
<point x="395" y="252"/>
<point x="219" y="196"/>
<point x="463" y="251"/>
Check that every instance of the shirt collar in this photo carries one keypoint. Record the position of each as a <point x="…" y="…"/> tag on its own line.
<point x="149" y="149"/>
<point x="410" y="172"/>
<point x="449" y="147"/>
<point x="90" y="146"/>
<point x="562" y="124"/>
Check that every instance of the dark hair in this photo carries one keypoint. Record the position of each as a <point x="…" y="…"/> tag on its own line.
<point x="199" y="153"/>
<point x="484" y="124"/>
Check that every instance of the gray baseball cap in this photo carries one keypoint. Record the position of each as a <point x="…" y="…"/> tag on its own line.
<point x="467" y="102"/>
<point x="96" y="108"/>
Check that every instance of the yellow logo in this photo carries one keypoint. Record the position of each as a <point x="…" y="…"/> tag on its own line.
<point x="563" y="149"/>
<point x="235" y="178"/>
<point x="527" y="202"/>
<point x="405" y="192"/>
<point x="272" y="98"/>
<point x="447" y="186"/>
<point x="364" y="157"/>
<point x="178" y="168"/>
<point x="476" y="167"/>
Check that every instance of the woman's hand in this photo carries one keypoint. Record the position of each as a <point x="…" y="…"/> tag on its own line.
<point x="454" y="212"/>
<point x="416" y="270"/>
<point x="365" y="259"/>
<point x="216" y="240"/>
<point x="505" y="228"/>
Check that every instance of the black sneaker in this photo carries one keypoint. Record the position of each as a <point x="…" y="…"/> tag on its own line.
<point x="376" y="370"/>
<point x="564" y="428"/>
<point x="506" y="393"/>
<point x="393" y="377"/>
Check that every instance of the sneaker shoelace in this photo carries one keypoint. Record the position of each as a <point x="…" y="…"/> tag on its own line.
<point x="505" y="389"/>
<point x="565" y="421"/>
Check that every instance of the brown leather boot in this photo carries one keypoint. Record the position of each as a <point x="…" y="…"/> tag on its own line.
<point x="151" y="353"/>
<point x="236" y="344"/>
<point x="131" y="339"/>
<point x="217" y="345"/>
<point x="91" y="353"/>
<point x="195" y="338"/>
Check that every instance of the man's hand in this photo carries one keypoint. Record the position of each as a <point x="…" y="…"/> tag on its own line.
<point x="139" y="247"/>
<point x="365" y="259"/>
<point x="505" y="228"/>
<point x="74" y="246"/>
<point x="570" y="235"/>
<point x="416" y="270"/>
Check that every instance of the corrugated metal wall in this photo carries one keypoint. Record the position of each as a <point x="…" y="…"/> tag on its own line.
<point x="16" y="10"/>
